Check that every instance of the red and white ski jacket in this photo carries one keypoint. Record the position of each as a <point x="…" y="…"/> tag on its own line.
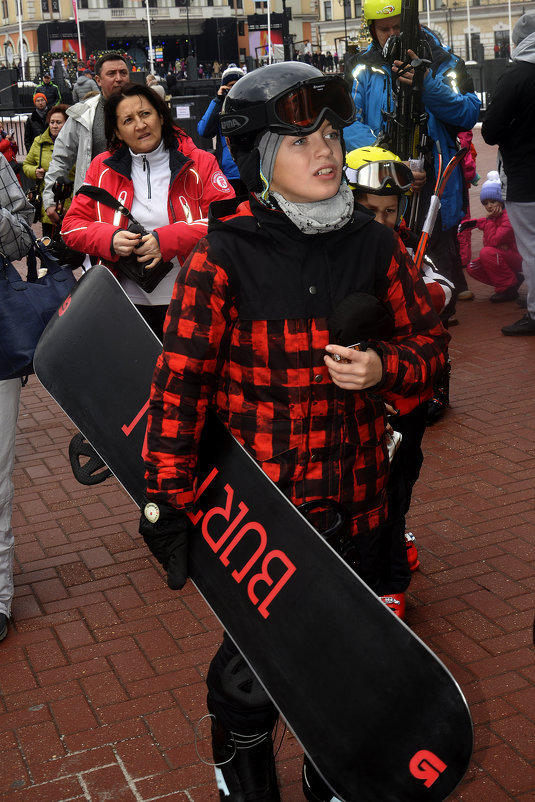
<point x="196" y="181"/>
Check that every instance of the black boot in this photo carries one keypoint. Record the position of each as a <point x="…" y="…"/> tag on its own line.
<point x="314" y="788"/>
<point x="245" y="766"/>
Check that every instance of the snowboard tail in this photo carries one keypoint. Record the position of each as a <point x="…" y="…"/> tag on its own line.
<point x="379" y="715"/>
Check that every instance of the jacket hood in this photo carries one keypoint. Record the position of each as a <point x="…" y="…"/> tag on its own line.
<point x="83" y="111"/>
<point x="84" y="80"/>
<point x="525" y="50"/>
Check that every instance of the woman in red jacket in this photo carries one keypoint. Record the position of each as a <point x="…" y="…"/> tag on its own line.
<point x="499" y="263"/>
<point x="158" y="174"/>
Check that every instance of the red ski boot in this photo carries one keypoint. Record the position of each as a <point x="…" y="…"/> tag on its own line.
<point x="396" y="602"/>
<point x="412" y="551"/>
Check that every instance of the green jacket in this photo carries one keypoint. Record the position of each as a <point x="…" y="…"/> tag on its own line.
<point x="40" y="155"/>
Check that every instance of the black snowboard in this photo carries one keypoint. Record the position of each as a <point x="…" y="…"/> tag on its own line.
<point x="378" y="714"/>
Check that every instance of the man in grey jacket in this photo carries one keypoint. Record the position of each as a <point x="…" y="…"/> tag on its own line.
<point x="15" y="242"/>
<point x="84" y="84"/>
<point x="509" y="123"/>
<point x="82" y="137"/>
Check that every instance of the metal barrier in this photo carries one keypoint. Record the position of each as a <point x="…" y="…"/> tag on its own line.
<point x="15" y="121"/>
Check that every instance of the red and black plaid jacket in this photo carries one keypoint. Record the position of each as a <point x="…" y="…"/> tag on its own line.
<point x="246" y="333"/>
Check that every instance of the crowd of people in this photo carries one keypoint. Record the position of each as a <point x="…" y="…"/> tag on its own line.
<point x="268" y="251"/>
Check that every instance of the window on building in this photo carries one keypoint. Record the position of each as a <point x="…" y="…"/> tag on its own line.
<point x="475" y="46"/>
<point x="501" y="43"/>
<point x="327" y="10"/>
<point x="115" y="3"/>
<point x="210" y="3"/>
<point x="83" y="3"/>
<point x="241" y="28"/>
<point x="5" y="9"/>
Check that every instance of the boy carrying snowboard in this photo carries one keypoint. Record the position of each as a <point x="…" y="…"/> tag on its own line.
<point x="247" y="334"/>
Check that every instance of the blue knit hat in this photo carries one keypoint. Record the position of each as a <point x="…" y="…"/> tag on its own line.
<point x="492" y="188"/>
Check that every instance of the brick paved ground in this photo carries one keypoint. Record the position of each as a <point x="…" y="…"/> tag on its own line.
<point x="101" y="676"/>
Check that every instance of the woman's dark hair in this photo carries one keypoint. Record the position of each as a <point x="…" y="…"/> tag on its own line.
<point x="61" y="107"/>
<point x="169" y="131"/>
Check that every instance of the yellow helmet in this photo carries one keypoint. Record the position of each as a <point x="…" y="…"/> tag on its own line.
<point x="377" y="171"/>
<point x="380" y="9"/>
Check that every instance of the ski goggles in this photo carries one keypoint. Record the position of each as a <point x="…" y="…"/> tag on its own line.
<point x="297" y="111"/>
<point x="379" y="177"/>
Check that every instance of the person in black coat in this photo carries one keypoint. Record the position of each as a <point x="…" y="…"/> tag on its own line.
<point x="509" y="123"/>
<point x="36" y="123"/>
<point x="50" y="90"/>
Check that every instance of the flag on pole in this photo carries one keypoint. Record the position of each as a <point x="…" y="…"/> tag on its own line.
<point x="75" y="10"/>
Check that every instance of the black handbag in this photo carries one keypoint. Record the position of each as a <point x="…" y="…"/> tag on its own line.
<point x="148" y="279"/>
<point x="26" y="308"/>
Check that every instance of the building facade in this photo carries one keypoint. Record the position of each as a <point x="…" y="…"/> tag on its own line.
<point x="223" y="30"/>
<point x="490" y="22"/>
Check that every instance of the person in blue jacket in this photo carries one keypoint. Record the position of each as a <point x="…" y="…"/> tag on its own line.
<point x="452" y="106"/>
<point x="209" y="126"/>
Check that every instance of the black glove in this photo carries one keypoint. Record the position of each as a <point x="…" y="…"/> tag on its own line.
<point x="165" y="531"/>
<point x="466" y="225"/>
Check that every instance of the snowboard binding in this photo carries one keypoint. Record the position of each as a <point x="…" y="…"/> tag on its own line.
<point x="93" y="470"/>
<point x="331" y="519"/>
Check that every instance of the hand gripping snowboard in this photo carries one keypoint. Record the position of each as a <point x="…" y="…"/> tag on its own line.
<point x="378" y="714"/>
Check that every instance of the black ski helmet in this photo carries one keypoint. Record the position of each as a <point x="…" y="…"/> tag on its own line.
<point x="287" y="98"/>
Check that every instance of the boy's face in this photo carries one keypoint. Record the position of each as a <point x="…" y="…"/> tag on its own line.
<point x="384" y="207"/>
<point x="309" y="168"/>
<point x="493" y="208"/>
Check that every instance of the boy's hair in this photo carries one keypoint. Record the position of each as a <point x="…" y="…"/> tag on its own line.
<point x="360" y="195"/>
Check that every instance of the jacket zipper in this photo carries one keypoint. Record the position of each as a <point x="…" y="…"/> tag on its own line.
<point x="146" y="168"/>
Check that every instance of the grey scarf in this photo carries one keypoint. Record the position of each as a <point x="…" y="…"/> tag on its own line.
<point x="321" y="216"/>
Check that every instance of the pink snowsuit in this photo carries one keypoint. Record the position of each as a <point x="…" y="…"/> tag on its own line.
<point x="468" y="167"/>
<point x="499" y="261"/>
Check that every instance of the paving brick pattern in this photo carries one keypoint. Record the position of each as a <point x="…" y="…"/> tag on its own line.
<point x="102" y="673"/>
